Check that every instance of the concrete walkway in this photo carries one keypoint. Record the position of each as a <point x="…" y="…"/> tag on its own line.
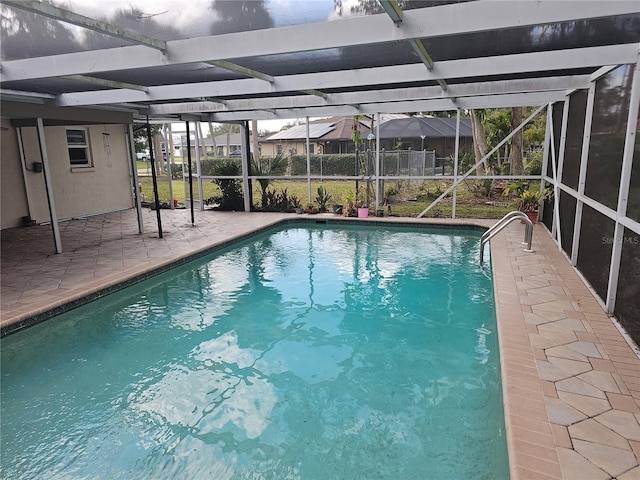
<point x="571" y="381"/>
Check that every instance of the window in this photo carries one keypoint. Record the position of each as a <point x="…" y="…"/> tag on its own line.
<point x="278" y="148"/>
<point x="78" y="146"/>
<point x="311" y="148"/>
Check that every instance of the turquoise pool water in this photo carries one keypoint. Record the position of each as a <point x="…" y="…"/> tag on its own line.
<point x="304" y="353"/>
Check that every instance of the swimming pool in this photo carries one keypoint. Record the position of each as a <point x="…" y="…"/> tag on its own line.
<point x="319" y="352"/>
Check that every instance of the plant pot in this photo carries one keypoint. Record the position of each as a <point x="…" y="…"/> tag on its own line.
<point x="337" y="209"/>
<point x="380" y="212"/>
<point x="299" y="211"/>
<point x="363" y="212"/>
<point x="311" y="211"/>
<point x="533" y="216"/>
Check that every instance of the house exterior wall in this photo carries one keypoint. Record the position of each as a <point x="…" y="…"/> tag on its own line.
<point x="78" y="191"/>
<point x="13" y="198"/>
<point x="290" y="147"/>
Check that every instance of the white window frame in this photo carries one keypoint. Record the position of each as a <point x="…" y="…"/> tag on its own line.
<point x="75" y="146"/>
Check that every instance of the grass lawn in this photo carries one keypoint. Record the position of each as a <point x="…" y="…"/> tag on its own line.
<point x="414" y="196"/>
<point x="143" y="166"/>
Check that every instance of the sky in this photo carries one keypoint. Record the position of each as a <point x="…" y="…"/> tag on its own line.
<point x="196" y="15"/>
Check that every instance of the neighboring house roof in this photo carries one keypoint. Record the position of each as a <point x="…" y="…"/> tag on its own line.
<point x="430" y="127"/>
<point x="340" y="128"/>
<point x="333" y="128"/>
<point x="316" y="130"/>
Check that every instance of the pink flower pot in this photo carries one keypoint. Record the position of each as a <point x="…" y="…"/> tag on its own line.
<point x="363" y="212"/>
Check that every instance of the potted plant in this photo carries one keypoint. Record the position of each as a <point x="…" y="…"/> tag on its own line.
<point x="310" y="208"/>
<point x="322" y="197"/>
<point x="530" y="201"/>
<point x="391" y="194"/>
<point x="349" y="208"/>
<point x="361" y="203"/>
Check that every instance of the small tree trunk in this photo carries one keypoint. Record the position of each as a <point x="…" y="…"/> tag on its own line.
<point x="480" y="147"/>
<point x="515" y="155"/>
<point x="169" y="147"/>
<point x="254" y="140"/>
<point x="213" y="139"/>
<point x="158" y="138"/>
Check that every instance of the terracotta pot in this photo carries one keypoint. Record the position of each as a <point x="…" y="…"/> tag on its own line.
<point x="533" y="216"/>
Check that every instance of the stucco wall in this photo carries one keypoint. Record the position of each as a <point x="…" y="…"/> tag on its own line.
<point x="13" y="200"/>
<point x="269" y="149"/>
<point x="79" y="191"/>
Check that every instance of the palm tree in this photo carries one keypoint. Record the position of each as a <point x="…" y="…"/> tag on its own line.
<point x="264" y="167"/>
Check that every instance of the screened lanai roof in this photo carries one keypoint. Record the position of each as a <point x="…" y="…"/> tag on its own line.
<point x="220" y="61"/>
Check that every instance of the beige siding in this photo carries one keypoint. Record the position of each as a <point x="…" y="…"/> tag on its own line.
<point x="269" y="149"/>
<point x="80" y="191"/>
<point x="13" y="198"/>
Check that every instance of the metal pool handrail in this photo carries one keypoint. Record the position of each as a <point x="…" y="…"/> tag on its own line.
<point x="503" y="222"/>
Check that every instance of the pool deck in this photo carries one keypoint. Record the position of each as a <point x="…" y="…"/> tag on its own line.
<point x="571" y="381"/>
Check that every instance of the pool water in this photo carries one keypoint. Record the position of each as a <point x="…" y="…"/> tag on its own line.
<point x="319" y="352"/>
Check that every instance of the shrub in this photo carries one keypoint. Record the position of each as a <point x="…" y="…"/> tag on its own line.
<point x="176" y="171"/>
<point x="279" y="201"/>
<point x="534" y="167"/>
<point x="322" y="198"/>
<point x="265" y="167"/>
<point x="231" y="197"/>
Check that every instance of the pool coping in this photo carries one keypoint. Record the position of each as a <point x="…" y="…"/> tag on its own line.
<point x="543" y="440"/>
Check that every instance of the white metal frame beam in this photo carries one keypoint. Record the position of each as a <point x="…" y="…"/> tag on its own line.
<point x="105" y="83"/>
<point x="483" y="101"/>
<point x="467" y="68"/>
<point x="548" y="84"/>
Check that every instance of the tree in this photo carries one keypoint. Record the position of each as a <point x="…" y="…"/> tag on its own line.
<point x="497" y="125"/>
<point x="238" y="16"/>
<point x="480" y="147"/>
<point x="26" y="34"/>
<point x="515" y="155"/>
<point x="266" y="167"/>
<point x="356" y="135"/>
<point x="254" y="140"/>
<point x="131" y="18"/>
